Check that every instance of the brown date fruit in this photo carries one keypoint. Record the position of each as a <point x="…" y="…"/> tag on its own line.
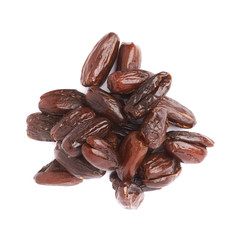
<point x="129" y="57"/>
<point x="105" y="104"/>
<point x="39" y="126"/>
<point x="185" y="152"/>
<point x="154" y="127"/>
<point x="100" y="153"/>
<point x="69" y="121"/>
<point x="54" y="174"/>
<point x="129" y="195"/>
<point x="61" y="101"/>
<point x="177" y="114"/>
<point x="148" y="95"/>
<point x="190" y="137"/>
<point x="79" y="167"/>
<point x="132" y="151"/>
<point x="125" y="82"/>
<point x="72" y="143"/>
<point x="125" y="128"/>
<point x="100" y="60"/>
<point x="159" y="169"/>
<point x="112" y="139"/>
<point x="115" y="180"/>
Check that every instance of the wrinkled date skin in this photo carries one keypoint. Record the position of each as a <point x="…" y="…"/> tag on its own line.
<point x="190" y="137"/>
<point x="177" y="114"/>
<point x="186" y="152"/>
<point x="129" y="195"/>
<point x="100" y="153"/>
<point x="69" y="121"/>
<point x="132" y="151"/>
<point x="39" y="126"/>
<point x="72" y="143"/>
<point x="100" y="61"/>
<point x="78" y="167"/>
<point x="61" y="101"/>
<point x="105" y="104"/>
<point x="188" y="147"/>
<point x="125" y="82"/>
<point x="154" y="128"/>
<point x="125" y="129"/>
<point x="159" y="169"/>
<point x="54" y="174"/>
<point x="148" y="95"/>
<point x="129" y="57"/>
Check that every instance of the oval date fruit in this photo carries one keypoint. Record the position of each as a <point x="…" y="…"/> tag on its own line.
<point x="125" y="82"/>
<point x="61" y="101"/>
<point x="100" y="60"/>
<point x="78" y="167"/>
<point x="129" y="195"/>
<point x="74" y="140"/>
<point x="100" y="153"/>
<point x="39" y="126"/>
<point x="69" y="121"/>
<point x="132" y="151"/>
<point x="54" y="174"/>
<point x="148" y="95"/>
<point x="129" y="57"/>
<point x="154" y="128"/>
<point x="186" y="152"/>
<point x="177" y="114"/>
<point x="190" y="137"/>
<point x="105" y="104"/>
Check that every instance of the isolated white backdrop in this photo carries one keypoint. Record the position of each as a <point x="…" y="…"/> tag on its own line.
<point x="43" y="45"/>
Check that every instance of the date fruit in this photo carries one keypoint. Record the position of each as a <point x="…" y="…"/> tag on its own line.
<point x="125" y="82"/>
<point x="72" y="143"/>
<point x="129" y="195"/>
<point x="61" y="101"/>
<point x="105" y="104"/>
<point x="39" y="126"/>
<point x="132" y="151"/>
<point x="148" y="95"/>
<point x="129" y="57"/>
<point x="70" y="120"/>
<point x="159" y="169"/>
<point x="54" y="174"/>
<point x="100" y="61"/>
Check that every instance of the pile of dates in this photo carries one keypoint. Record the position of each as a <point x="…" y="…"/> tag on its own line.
<point x="123" y="130"/>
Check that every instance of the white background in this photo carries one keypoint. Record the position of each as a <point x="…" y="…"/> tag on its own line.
<point x="43" y="45"/>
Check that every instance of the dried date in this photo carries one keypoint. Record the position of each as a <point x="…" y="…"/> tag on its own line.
<point x="39" y="126"/>
<point x="129" y="57"/>
<point x="100" y="61"/>
<point x="148" y="95"/>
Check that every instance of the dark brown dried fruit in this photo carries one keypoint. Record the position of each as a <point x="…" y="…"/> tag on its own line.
<point x="105" y="104"/>
<point x="159" y="169"/>
<point x="190" y="137"/>
<point x="115" y="180"/>
<point x="78" y="167"/>
<point x="100" y="153"/>
<point x="54" y="174"/>
<point x="177" y="114"/>
<point x="74" y="140"/>
<point x="125" y="82"/>
<point x="132" y="151"/>
<point x="39" y="126"/>
<point x="148" y="95"/>
<point x="129" y="195"/>
<point x="61" y="101"/>
<point x="112" y="139"/>
<point x="186" y="152"/>
<point x="125" y="129"/>
<point x="69" y="121"/>
<point x="129" y="57"/>
<point x="100" y="60"/>
<point x="154" y="127"/>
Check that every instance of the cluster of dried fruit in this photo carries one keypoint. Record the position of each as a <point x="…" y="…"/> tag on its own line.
<point x="124" y="131"/>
